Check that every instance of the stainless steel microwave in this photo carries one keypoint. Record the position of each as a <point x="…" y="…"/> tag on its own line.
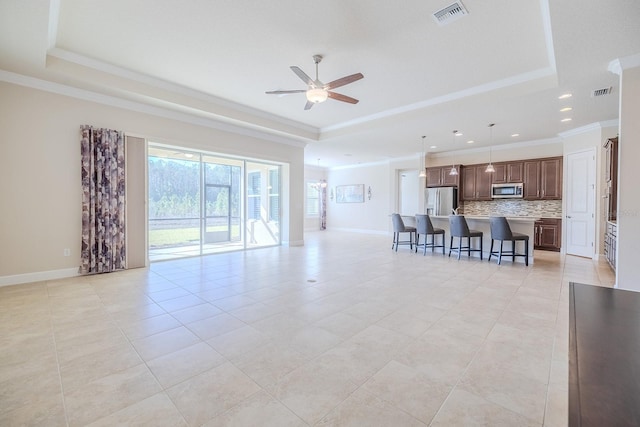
<point x="507" y="191"/>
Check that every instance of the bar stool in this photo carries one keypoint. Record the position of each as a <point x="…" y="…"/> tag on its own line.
<point x="424" y="226"/>
<point x="458" y="228"/>
<point x="399" y="227"/>
<point x="500" y="230"/>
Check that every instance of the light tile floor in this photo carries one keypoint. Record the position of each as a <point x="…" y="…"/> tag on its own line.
<point x="342" y="331"/>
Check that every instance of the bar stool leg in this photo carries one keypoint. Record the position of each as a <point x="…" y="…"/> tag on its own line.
<point x="500" y="253"/>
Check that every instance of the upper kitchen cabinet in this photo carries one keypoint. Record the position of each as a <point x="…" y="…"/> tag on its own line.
<point x="507" y="173"/>
<point x="440" y="177"/>
<point x="476" y="183"/>
<point x="543" y="179"/>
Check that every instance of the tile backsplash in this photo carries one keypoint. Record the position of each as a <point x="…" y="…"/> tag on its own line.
<point x="511" y="207"/>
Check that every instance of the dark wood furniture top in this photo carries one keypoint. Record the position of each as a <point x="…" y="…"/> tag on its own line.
<point x="604" y="362"/>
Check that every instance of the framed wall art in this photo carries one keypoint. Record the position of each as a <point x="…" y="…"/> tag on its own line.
<point x="350" y="193"/>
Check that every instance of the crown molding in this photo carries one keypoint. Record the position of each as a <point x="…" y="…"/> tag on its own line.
<point x="97" y="65"/>
<point x="240" y="128"/>
<point x="617" y="66"/>
<point x="589" y="128"/>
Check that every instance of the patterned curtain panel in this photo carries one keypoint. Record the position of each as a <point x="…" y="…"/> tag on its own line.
<point x="103" y="197"/>
<point x="323" y="208"/>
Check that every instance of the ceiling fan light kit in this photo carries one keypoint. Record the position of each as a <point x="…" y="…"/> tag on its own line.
<point x="317" y="95"/>
<point x="317" y="91"/>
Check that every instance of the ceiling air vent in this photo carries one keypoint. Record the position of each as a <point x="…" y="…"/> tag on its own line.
<point x="601" y="92"/>
<point x="450" y="13"/>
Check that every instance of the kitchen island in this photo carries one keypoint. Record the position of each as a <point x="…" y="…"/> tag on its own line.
<point x="524" y="225"/>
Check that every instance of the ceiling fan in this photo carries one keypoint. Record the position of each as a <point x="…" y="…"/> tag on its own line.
<point x="317" y="91"/>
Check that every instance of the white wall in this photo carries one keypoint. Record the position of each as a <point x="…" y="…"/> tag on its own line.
<point x="372" y="216"/>
<point x="40" y="196"/>
<point x="628" y="218"/>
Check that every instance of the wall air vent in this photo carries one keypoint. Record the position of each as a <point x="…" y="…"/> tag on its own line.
<point x="601" y="92"/>
<point x="450" y="13"/>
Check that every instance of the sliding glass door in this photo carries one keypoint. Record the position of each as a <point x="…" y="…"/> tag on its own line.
<point x="200" y="203"/>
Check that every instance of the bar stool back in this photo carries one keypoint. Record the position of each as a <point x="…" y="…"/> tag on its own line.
<point x="424" y="226"/>
<point x="459" y="228"/>
<point x="399" y="227"/>
<point x="500" y="230"/>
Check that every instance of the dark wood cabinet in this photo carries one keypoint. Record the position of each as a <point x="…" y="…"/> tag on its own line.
<point x="440" y="177"/>
<point x="543" y="179"/>
<point x="548" y="234"/>
<point x="507" y="173"/>
<point x="611" y="178"/>
<point x="476" y="183"/>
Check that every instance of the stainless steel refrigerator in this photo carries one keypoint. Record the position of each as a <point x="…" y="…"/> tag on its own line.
<point x="440" y="201"/>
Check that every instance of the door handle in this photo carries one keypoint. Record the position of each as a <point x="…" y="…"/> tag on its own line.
<point x="568" y="216"/>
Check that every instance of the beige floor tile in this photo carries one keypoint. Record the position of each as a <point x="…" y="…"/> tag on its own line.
<point x="268" y="363"/>
<point x="260" y="409"/>
<point x="164" y="343"/>
<point x="109" y="394"/>
<point x="181" y="303"/>
<point x="211" y="393"/>
<point x="155" y="411"/>
<point x="466" y="409"/>
<point x="402" y="327"/>
<point x="150" y="326"/>
<point x="19" y="391"/>
<point x="216" y="325"/>
<point x="44" y="411"/>
<point x="342" y="325"/>
<point x="557" y="409"/>
<point x="364" y="409"/>
<point x="197" y="312"/>
<point x="86" y="343"/>
<point x="509" y="389"/>
<point x="76" y="372"/>
<point x="183" y="364"/>
<point x="312" y="390"/>
<point x="238" y="342"/>
<point x="310" y="341"/>
<point x="409" y="390"/>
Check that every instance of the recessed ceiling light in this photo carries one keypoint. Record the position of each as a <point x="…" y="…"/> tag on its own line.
<point x="348" y="155"/>
<point x="188" y="155"/>
<point x="471" y="141"/>
<point x="434" y="146"/>
<point x="562" y="110"/>
<point x="565" y="96"/>
<point x="568" y="119"/>
<point x="513" y="135"/>
<point x="458" y="133"/>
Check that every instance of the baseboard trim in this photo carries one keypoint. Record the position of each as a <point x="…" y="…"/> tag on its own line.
<point x="38" y="276"/>
<point x="361" y="230"/>
<point x="294" y="243"/>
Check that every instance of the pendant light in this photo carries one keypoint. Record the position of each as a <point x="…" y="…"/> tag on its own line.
<point x="453" y="170"/>
<point x="490" y="168"/>
<point x="423" y="166"/>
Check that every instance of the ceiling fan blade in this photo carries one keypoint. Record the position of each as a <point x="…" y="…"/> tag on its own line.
<point x="284" y="92"/>
<point x="303" y="76"/>
<point x="343" y="81"/>
<point x="343" y="98"/>
<point x="308" y="105"/>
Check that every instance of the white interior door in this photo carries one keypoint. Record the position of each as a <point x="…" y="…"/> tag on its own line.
<point x="580" y="215"/>
<point x="409" y="193"/>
